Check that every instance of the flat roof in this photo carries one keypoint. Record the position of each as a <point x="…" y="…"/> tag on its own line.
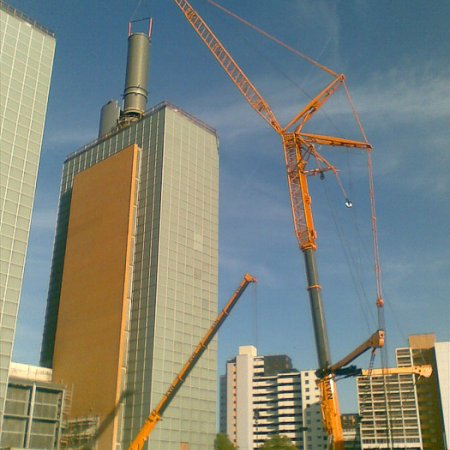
<point x="29" y="372"/>
<point x="20" y="15"/>
<point x="164" y="104"/>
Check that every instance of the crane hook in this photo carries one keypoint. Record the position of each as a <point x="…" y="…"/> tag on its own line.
<point x="348" y="203"/>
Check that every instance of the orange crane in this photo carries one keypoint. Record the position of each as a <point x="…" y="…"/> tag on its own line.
<point x="298" y="149"/>
<point x="156" y="415"/>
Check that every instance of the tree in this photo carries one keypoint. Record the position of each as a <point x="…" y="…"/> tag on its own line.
<point x="278" y="443"/>
<point x="222" y="442"/>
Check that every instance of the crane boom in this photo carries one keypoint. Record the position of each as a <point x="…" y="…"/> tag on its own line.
<point x="298" y="148"/>
<point x="375" y="341"/>
<point x="422" y="371"/>
<point x="156" y="414"/>
<point x="229" y="65"/>
<point x="315" y="104"/>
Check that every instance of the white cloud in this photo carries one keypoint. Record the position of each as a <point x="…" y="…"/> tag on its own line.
<point x="386" y="100"/>
<point x="323" y="14"/>
<point x="44" y="219"/>
<point x="69" y="137"/>
<point x="233" y="120"/>
<point x="403" y="96"/>
<point x="404" y="114"/>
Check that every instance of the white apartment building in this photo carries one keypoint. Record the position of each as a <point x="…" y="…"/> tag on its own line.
<point x="404" y="411"/>
<point x="265" y="396"/>
<point x="388" y="409"/>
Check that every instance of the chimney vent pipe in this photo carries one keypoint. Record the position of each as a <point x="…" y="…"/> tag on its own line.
<point x="135" y="93"/>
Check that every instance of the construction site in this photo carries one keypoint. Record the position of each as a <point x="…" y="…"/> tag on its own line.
<point x="129" y="357"/>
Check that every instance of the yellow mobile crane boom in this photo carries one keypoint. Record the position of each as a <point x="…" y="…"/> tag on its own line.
<point x="421" y="371"/>
<point x="156" y="414"/>
<point x="298" y="148"/>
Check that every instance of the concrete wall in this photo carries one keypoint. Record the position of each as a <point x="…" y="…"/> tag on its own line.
<point x="244" y="397"/>
<point x="442" y="351"/>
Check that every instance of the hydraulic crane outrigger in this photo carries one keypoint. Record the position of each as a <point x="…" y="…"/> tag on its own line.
<point x="156" y="415"/>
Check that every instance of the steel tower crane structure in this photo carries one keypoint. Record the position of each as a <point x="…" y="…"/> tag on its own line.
<point x="298" y="149"/>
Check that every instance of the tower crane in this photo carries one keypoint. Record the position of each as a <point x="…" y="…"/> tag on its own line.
<point x="299" y="148"/>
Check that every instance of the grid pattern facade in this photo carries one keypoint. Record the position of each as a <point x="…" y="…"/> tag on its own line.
<point x="26" y="59"/>
<point x="422" y="351"/>
<point x="389" y="410"/>
<point x="34" y="409"/>
<point x="33" y="415"/>
<point x="283" y="403"/>
<point x="175" y="272"/>
<point x="288" y="404"/>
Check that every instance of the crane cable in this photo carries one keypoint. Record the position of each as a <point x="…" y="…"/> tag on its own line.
<point x="135" y="10"/>
<point x="376" y="253"/>
<point x="377" y="268"/>
<point x="351" y="262"/>
<point x="380" y="302"/>
<point x="377" y="264"/>
<point x="274" y="39"/>
<point x="255" y="315"/>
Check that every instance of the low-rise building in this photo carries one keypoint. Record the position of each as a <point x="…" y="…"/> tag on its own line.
<point x="34" y="409"/>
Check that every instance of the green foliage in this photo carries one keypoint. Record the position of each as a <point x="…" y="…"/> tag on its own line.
<point x="279" y="443"/>
<point x="222" y="442"/>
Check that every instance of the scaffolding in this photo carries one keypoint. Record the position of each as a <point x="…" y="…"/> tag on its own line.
<point x="79" y="433"/>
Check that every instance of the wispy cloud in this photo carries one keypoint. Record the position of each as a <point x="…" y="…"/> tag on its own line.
<point x="403" y="96"/>
<point x="44" y="219"/>
<point x="388" y="99"/>
<point x="68" y="137"/>
<point x="404" y="114"/>
<point x="323" y="14"/>
<point x="404" y="267"/>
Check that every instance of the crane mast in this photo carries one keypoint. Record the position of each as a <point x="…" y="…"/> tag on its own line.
<point x="298" y="149"/>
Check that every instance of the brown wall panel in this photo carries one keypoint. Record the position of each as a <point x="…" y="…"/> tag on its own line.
<point x="89" y="340"/>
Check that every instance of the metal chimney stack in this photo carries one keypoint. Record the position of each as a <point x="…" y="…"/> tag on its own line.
<point x="135" y="93"/>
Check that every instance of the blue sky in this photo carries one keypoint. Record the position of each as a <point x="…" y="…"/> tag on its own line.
<point x="394" y="55"/>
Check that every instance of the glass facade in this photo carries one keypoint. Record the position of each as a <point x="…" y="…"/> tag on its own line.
<point x="175" y="273"/>
<point x="26" y="59"/>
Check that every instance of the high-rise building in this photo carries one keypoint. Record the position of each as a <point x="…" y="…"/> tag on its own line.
<point x="442" y="354"/>
<point x="422" y="351"/>
<point x="26" y="59"/>
<point x="223" y="404"/>
<point x="388" y="410"/>
<point x="350" y="429"/>
<point x="133" y="283"/>
<point x="266" y="396"/>
<point x="402" y="411"/>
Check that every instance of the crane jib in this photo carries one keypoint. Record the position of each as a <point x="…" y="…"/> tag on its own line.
<point x="298" y="148"/>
